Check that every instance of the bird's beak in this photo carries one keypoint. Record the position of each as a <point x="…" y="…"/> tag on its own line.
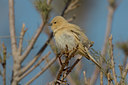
<point x="50" y="24"/>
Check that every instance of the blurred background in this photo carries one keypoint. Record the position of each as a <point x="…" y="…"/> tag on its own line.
<point x="91" y="16"/>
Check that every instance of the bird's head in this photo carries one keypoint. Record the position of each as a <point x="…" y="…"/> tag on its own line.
<point x="57" y="22"/>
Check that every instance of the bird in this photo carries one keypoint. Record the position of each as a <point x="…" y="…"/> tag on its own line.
<point x="70" y="35"/>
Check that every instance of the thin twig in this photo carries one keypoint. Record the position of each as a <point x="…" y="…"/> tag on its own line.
<point x="21" y="39"/>
<point x="33" y="40"/>
<point x="111" y="10"/>
<point x="31" y="69"/>
<point x="73" y="4"/>
<point x="112" y="60"/>
<point x="109" y="26"/>
<point x="36" y="57"/>
<point x="42" y="71"/>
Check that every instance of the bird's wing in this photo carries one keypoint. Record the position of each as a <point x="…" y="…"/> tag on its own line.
<point x="81" y="49"/>
<point x="82" y="37"/>
<point x="84" y="51"/>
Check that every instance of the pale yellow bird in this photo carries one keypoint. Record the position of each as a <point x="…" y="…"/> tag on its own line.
<point x="71" y="35"/>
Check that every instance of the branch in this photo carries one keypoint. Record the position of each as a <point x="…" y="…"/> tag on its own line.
<point x="12" y="27"/>
<point x="31" y="69"/>
<point x="68" y="54"/>
<point x="111" y="10"/>
<point x="42" y="71"/>
<point x="112" y="60"/>
<point x="71" y="68"/>
<point x="73" y="4"/>
<point x="36" y="57"/>
<point x="33" y="40"/>
<point x="21" y="39"/>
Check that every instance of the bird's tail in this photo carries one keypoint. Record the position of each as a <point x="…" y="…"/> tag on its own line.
<point x="94" y="61"/>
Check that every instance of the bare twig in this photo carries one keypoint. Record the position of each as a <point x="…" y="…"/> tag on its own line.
<point x="21" y="39"/>
<point x="12" y="27"/>
<point x="124" y="75"/>
<point x="109" y="26"/>
<point x="31" y="69"/>
<point x="42" y="71"/>
<point x="111" y="10"/>
<point x="33" y="40"/>
<point x="71" y="68"/>
<point x="36" y="57"/>
<point x="112" y="60"/>
<point x="73" y="4"/>
<point x="4" y="64"/>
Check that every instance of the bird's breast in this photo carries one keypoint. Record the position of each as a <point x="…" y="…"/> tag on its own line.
<point x="65" y="38"/>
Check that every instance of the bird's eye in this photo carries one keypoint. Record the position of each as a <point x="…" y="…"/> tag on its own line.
<point x="54" y="22"/>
